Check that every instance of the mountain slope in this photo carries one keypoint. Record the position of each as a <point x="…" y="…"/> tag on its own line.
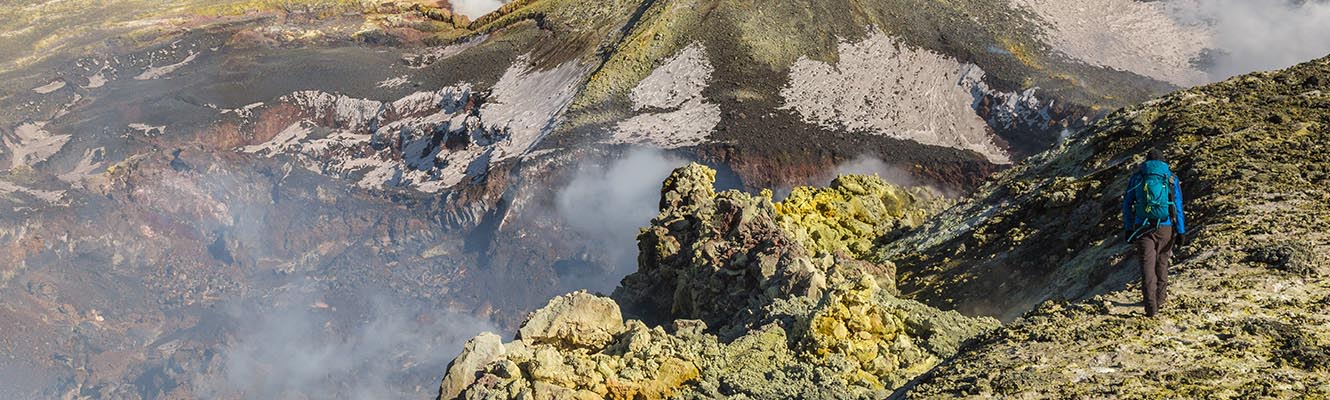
<point x="728" y="285"/>
<point x="763" y="60"/>
<point x="1246" y="313"/>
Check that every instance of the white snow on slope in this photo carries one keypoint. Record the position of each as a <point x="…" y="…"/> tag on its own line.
<point x="1007" y="110"/>
<point x="288" y="138"/>
<point x="883" y="87"/>
<point x="1128" y="35"/>
<point x="337" y="110"/>
<point x="243" y="112"/>
<point x="427" y="141"/>
<point x="50" y="87"/>
<point x="392" y="82"/>
<point x="525" y="104"/>
<point x="97" y="80"/>
<point x="8" y="189"/>
<point x="88" y="166"/>
<point x="158" y="72"/>
<point x="148" y="130"/>
<point x="682" y="78"/>
<point x="435" y="54"/>
<point x="677" y="87"/>
<point x="31" y="144"/>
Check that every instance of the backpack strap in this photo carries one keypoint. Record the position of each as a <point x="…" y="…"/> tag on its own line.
<point x="1172" y="211"/>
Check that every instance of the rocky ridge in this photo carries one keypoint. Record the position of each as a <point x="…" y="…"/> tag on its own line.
<point x="1246" y="314"/>
<point x="731" y="302"/>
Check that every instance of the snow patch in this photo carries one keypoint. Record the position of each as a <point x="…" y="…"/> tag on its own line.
<point x="97" y="80"/>
<point x="1129" y="35"/>
<point x="427" y="141"/>
<point x="392" y="82"/>
<point x="148" y="130"/>
<point x="50" y="87"/>
<point x="158" y="72"/>
<point x="435" y="54"/>
<point x="687" y="126"/>
<point x="1007" y="110"/>
<point x="676" y="87"/>
<point x="342" y="111"/>
<point x="287" y="138"/>
<point x="243" y="112"/>
<point x="525" y="104"/>
<point x="682" y="78"/>
<point x="883" y="87"/>
<point x="31" y="144"/>
<point x="54" y="197"/>
<point x="348" y="149"/>
<point x="92" y="161"/>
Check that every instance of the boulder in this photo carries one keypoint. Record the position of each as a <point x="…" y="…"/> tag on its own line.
<point x="574" y="320"/>
<point x="478" y="352"/>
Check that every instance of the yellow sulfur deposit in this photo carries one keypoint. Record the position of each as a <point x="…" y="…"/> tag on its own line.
<point x="853" y="212"/>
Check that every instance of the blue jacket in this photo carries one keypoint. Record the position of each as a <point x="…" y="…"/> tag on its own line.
<point x="1129" y="220"/>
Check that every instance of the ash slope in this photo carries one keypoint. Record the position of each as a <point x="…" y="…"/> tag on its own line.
<point x="1247" y="308"/>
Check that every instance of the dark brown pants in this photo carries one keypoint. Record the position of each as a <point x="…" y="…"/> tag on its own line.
<point x="1156" y="249"/>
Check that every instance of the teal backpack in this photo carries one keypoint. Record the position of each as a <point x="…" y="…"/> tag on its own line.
<point x="1153" y="202"/>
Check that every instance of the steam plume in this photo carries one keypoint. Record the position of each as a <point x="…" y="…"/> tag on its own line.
<point x="610" y="203"/>
<point x="1255" y="35"/>
<point x="295" y="346"/>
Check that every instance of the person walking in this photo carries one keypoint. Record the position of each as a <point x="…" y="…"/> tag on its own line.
<point x="1153" y="222"/>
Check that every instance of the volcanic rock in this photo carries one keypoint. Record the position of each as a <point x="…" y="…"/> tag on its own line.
<point x="574" y="320"/>
<point x="752" y="311"/>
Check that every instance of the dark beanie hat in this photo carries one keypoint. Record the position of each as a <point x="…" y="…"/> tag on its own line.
<point x="1155" y="154"/>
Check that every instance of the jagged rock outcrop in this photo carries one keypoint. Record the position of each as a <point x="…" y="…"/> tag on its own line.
<point x="720" y="257"/>
<point x="754" y="304"/>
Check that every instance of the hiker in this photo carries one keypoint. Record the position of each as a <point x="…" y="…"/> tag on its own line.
<point x="1151" y="214"/>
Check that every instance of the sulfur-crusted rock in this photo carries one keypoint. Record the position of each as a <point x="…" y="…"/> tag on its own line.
<point x="753" y="312"/>
<point x="853" y="212"/>
<point x="719" y="257"/>
<point x="849" y="322"/>
<point x="577" y="319"/>
<point x="710" y="256"/>
<point x="476" y="354"/>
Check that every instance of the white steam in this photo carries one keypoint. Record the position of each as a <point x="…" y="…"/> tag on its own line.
<point x="868" y="165"/>
<point x="1256" y="35"/>
<point x="299" y="347"/>
<point x="609" y="204"/>
<point x="475" y="8"/>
